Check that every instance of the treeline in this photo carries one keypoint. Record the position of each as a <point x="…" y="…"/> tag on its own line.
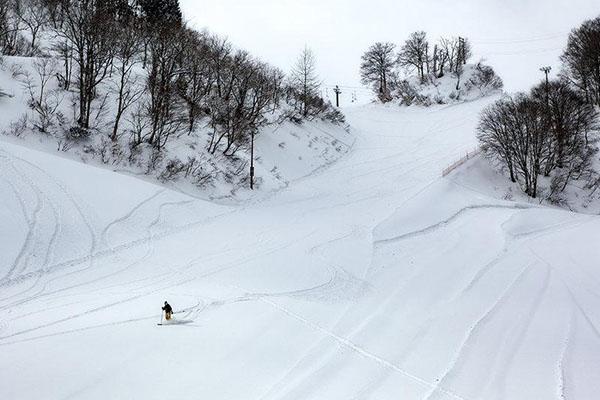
<point x="382" y="61"/>
<point x="160" y="76"/>
<point x="551" y="131"/>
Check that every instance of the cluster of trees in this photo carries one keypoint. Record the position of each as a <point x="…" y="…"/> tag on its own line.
<point x="159" y="75"/>
<point x="550" y="131"/>
<point x="581" y="60"/>
<point x="21" y="19"/>
<point x="380" y="63"/>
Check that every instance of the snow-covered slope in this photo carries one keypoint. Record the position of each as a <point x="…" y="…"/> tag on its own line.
<point x="285" y="151"/>
<point x="487" y="176"/>
<point x="372" y="279"/>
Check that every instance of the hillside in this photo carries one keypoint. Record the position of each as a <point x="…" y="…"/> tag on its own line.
<point x="374" y="278"/>
<point x="285" y="150"/>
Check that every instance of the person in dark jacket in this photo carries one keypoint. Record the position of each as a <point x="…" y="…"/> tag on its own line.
<point x="168" y="311"/>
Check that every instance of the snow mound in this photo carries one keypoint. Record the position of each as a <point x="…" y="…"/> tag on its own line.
<point x="483" y="176"/>
<point x="473" y="81"/>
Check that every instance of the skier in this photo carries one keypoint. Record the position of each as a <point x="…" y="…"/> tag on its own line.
<point x="168" y="311"/>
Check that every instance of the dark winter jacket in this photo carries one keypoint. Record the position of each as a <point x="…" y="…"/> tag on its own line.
<point x="167" y="308"/>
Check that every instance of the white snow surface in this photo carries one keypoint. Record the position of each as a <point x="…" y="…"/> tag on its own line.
<point x="373" y="278"/>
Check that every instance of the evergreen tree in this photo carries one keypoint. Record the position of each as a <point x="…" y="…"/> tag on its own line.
<point x="161" y="12"/>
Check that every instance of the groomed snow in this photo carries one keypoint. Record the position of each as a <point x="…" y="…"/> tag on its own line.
<point x="373" y="278"/>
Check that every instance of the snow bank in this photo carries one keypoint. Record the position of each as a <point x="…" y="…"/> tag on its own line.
<point x="484" y="176"/>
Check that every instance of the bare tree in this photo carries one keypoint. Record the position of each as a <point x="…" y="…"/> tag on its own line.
<point x="277" y="79"/>
<point x="43" y="102"/>
<point x="581" y="60"/>
<point x="126" y="86"/>
<point x="164" y="107"/>
<point x="225" y="118"/>
<point x="88" y="29"/>
<point x="459" y="70"/>
<point x="495" y="135"/>
<point x="11" y="41"/>
<point x="305" y="81"/>
<point x="35" y="16"/>
<point x="251" y="98"/>
<point x="4" y="16"/>
<point x="450" y="49"/>
<point x="466" y="50"/>
<point x="543" y="133"/>
<point x="195" y="85"/>
<point x="64" y="50"/>
<point x="415" y="54"/>
<point x="219" y="58"/>
<point x="514" y="131"/>
<point x="571" y="121"/>
<point x="377" y="67"/>
<point x="249" y="88"/>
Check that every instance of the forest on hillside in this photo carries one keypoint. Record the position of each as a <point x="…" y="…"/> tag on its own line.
<point x="125" y="81"/>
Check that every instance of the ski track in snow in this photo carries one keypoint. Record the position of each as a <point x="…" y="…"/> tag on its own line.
<point x="563" y="374"/>
<point x="427" y="326"/>
<point x="510" y="350"/>
<point x="574" y="300"/>
<point x="448" y="220"/>
<point x="52" y="295"/>
<point x="351" y="346"/>
<point x="127" y="216"/>
<point x="27" y="251"/>
<point x="37" y="190"/>
<point x="474" y="331"/>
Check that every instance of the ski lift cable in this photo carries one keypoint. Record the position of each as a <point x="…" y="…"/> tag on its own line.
<point x="522" y="52"/>
<point x="523" y="40"/>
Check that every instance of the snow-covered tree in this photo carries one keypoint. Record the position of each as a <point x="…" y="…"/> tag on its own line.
<point x="485" y="79"/>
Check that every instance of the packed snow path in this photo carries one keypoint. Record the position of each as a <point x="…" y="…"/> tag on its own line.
<point x="371" y="279"/>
